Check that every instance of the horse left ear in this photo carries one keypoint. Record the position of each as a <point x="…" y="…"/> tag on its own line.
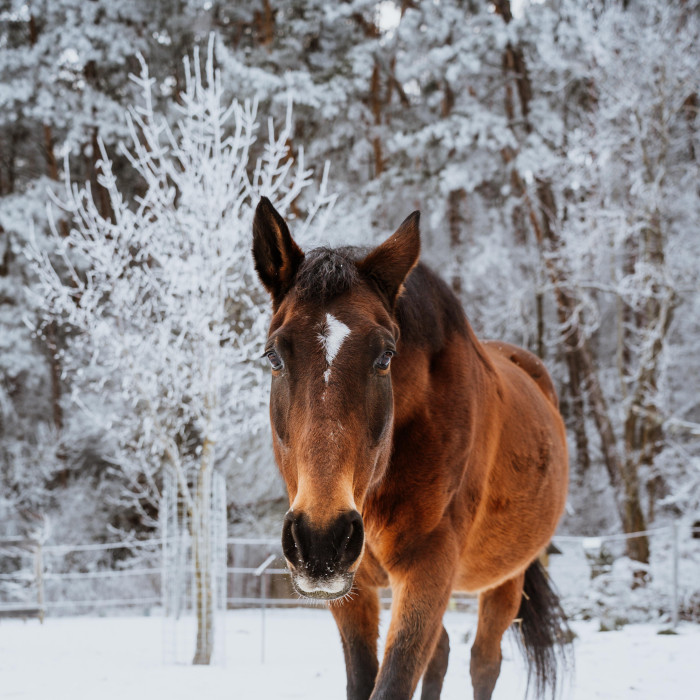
<point x="388" y="264"/>
<point x="277" y="257"/>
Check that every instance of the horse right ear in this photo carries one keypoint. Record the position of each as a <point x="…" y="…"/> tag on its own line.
<point x="277" y="257"/>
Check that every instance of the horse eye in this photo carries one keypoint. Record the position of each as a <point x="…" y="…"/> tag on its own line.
<point x="384" y="360"/>
<point x="275" y="360"/>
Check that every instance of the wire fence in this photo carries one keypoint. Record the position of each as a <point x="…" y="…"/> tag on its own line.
<point x="592" y="574"/>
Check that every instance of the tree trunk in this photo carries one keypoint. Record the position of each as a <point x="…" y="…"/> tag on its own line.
<point x="105" y="205"/>
<point x="266" y="24"/>
<point x="55" y="369"/>
<point x="580" y="361"/>
<point x="203" y="560"/>
<point x="2" y="178"/>
<point x="455" y="222"/>
<point x="50" y="155"/>
<point x="376" y="107"/>
<point x="578" y="413"/>
<point x="201" y="549"/>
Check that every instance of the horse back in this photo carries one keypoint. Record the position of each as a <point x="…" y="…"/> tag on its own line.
<point x="528" y="362"/>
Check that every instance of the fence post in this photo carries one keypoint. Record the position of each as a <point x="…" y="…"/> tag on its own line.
<point x="674" y="618"/>
<point x="39" y="574"/>
<point x="261" y="572"/>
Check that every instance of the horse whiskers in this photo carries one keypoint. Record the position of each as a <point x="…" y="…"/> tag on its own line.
<point x="350" y="595"/>
<point x="311" y="602"/>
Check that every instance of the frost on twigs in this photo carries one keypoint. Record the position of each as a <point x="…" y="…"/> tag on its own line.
<point x="158" y="290"/>
<point x="158" y="296"/>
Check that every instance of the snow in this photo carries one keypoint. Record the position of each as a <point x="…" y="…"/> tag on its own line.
<point x="113" y="658"/>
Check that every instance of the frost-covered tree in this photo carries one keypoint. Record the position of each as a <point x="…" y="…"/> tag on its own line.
<point x="597" y="156"/>
<point x="62" y="87"/>
<point x="159" y="299"/>
<point x="524" y="139"/>
<point x="542" y="140"/>
<point x="632" y="211"/>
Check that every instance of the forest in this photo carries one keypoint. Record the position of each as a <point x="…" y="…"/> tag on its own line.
<point x="551" y="146"/>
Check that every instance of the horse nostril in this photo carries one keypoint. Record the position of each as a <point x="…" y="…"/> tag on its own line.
<point x="353" y="538"/>
<point x="292" y="540"/>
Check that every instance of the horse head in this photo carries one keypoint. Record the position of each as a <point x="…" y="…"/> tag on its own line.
<point x="330" y="345"/>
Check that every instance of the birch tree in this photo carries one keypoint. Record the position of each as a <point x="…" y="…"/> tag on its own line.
<point x="158" y="296"/>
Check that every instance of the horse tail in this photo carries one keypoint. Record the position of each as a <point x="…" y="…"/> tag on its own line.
<point x="542" y="632"/>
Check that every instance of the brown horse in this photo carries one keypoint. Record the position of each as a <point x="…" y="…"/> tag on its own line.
<point x="415" y="457"/>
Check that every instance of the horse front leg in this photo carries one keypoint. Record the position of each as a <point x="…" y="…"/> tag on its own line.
<point x="435" y="673"/>
<point x="420" y="596"/>
<point x="497" y="610"/>
<point x="358" y="623"/>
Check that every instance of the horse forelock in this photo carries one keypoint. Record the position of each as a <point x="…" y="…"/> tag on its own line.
<point x="427" y="311"/>
<point x="326" y="273"/>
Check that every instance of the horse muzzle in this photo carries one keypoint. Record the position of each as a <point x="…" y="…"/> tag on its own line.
<point x="322" y="589"/>
<point x="323" y="560"/>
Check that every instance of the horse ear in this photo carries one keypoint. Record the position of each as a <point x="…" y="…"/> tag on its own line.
<point x="388" y="264"/>
<point x="277" y="257"/>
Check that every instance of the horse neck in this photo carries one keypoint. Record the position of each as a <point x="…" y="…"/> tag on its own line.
<point x="441" y="343"/>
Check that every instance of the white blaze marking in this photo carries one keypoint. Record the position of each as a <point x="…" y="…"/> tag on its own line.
<point x="331" y="339"/>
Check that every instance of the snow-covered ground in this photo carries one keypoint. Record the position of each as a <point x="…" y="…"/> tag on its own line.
<point x="122" y="657"/>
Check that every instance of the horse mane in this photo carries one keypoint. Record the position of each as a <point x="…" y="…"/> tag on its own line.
<point x="428" y="312"/>
<point x="327" y="273"/>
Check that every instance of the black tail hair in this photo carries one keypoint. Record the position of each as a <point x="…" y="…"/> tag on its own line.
<point x="542" y="632"/>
